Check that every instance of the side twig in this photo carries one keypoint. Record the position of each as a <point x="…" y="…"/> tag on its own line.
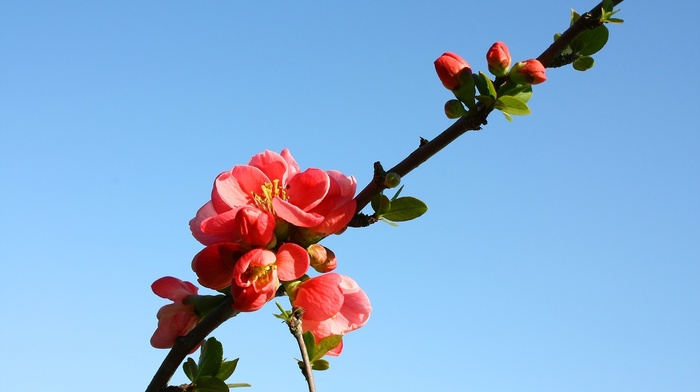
<point x="294" y="324"/>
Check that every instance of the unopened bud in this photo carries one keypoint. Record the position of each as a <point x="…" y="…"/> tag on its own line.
<point x="322" y="259"/>
<point x="498" y="59"/>
<point x="454" y="109"/>
<point x="528" y="72"/>
<point x="449" y="66"/>
<point x="392" y="180"/>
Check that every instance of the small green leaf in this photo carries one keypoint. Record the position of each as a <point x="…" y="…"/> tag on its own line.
<point x="320" y="365"/>
<point x="396" y="195"/>
<point x="592" y="40"/>
<point x="487" y="100"/>
<point x="404" y="209"/>
<point x="608" y="5"/>
<point x="574" y="17"/>
<point x="310" y="343"/>
<point x="190" y="368"/>
<point x="380" y="204"/>
<point x="512" y="105"/>
<point x="324" y="345"/>
<point x="521" y="91"/>
<point x="556" y="36"/>
<point x="615" y="21"/>
<point x="211" y="384"/>
<point x="466" y="91"/>
<point x="583" y="63"/>
<point x="238" y="385"/>
<point x="480" y="82"/>
<point x="210" y="358"/>
<point x="227" y="369"/>
<point x="507" y="116"/>
<point x="489" y="85"/>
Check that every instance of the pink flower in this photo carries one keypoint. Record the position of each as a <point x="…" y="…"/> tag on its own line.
<point x="333" y="305"/>
<point x="273" y="183"/>
<point x="449" y="68"/>
<point x="178" y="318"/>
<point x="257" y="274"/>
<point x="528" y="72"/>
<point x="498" y="59"/>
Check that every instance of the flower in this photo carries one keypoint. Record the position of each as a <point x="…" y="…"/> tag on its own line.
<point x="253" y="276"/>
<point x="176" y="319"/>
<point x="333" y="305"/>
<point x="257" y="274"/>
<point x="322" y="259"/>
<point x="449" y="68"/>
<point x="498" y="59"/>
<point x="528" y="72"/>
<point x="319" y="201"/>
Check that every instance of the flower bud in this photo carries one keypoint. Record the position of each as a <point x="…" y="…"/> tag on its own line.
<point x="322" y="259"/>
<point x="392" y="180"/>
<point x="498" y="59"/>
<point x="449" y="66"/>
<point x="528" y="72"/>
<point x="454" y="109"/>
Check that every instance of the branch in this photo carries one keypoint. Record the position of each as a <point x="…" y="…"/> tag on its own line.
<point x="185" y="344"/>
<point x="294" y="324"/>
<point x="471" y="121"/>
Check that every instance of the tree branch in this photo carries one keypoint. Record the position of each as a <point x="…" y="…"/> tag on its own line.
<point x="294" y="324"/>
<point x="472" y="121"/>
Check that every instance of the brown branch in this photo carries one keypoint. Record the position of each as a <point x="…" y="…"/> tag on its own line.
<point x="185" y="344"/>
<point x="294" y="324"/>
<point x="472" y="121"/>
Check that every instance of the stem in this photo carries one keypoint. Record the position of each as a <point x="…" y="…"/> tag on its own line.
<point x="294" y="324"/>
<point x="185" y="344"/>
<point x="471" y="121"/>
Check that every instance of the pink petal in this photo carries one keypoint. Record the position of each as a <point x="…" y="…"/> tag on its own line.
<point x="292" y="262"/>
<point x="292" y="166"/>
<point x="294" y="214"/>
<point x="341" y="185"/>
<point x="337" y="213"/>
<point x="254" y="258"/>
<point x="307" y="189"/>
<point x="272" y="164"/>
<point x="320" y="296"/>
<point x="214" y="264"/>
<point x="173" y="288"/>
<point x="235" y="188"/>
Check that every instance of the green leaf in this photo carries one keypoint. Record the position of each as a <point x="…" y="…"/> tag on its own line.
<point x="227" y="369"/>
<point x="320" y="365"/>
<point x="583" y="63"/>
<point x="487" y="100"/>
<point x="512" y="105"/>
<point x="404" y="209"/>
<point x="507" y="116"/>
<point x="466" y="91"/>
<point x="491" y="90"/>
<point x="480" y="82"/>
<point x="324" y="345"/>
<point x="521" y="91"/>
<point x="190" y="368"/>
<point x="211" y="384"/>
<point x="210" y="358"/>
<point x="591" y="41"/>
<point x="574" y="17"/>
<point x="396" y="195"/>
<point x="556" y="36"/>
<point x="310" y="343"/>
<point x="380" y="204"/>
<point x="608" y="5"/>
<point x="238" y="385"/>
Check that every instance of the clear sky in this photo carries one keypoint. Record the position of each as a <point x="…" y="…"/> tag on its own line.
<point x="560" y="252"/>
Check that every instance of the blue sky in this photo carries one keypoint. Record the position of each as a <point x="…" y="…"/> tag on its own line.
<point x="560" y="251"/>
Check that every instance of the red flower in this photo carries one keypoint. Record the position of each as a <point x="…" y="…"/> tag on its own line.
<point x="528" y="72"/>
<point x="253" y="276"/>
<point x="322" y="202"/>
<point x="257" y="274"/>
<point x="333" y="305"/>
<point x="498" y="59"/>
<point x="178" y="318"/>
<point x="449" y="67"/>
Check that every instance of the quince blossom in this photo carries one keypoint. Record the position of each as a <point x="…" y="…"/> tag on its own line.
<point x="176" y="319"/>
<point x="333" y="305"/>
<point x="319" y="201"/>
<point x="253" y="276"/>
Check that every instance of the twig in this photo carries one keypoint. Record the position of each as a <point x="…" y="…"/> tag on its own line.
<point x="473" y="121"/>
<point x="294" y="324"/>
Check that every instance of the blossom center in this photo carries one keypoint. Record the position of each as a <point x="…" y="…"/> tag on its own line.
<point x="268" y="192"/>
<point x="261" y="275"/>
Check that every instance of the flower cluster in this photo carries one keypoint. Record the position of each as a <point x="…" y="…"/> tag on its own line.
<point x="509" y="93"/>
<point x="261" y="230"/>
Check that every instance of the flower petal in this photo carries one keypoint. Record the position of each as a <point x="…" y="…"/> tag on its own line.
<point x="292" y="262"/>
<point x="294" y="214"/>
<point x="235" y="188"/>
<point x="214" y="264"/>
<point x="308" y="188"/>
<point x="320" y="296"/>
<point x="173" y="288"/>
